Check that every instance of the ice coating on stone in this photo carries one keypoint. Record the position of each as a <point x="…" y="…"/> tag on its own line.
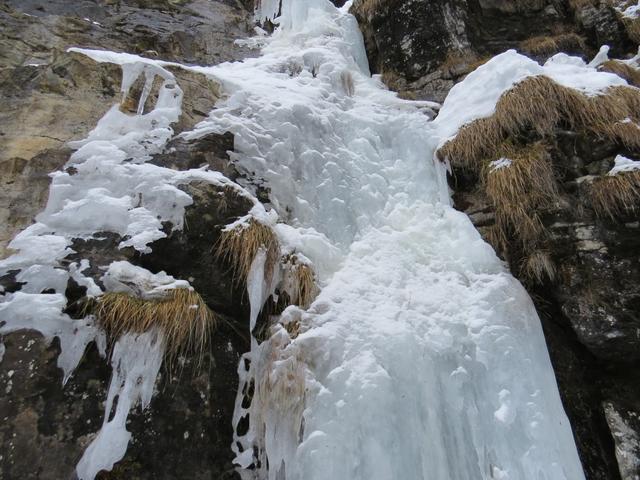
<point x="125" y="277"/>
<point x="624" y="164"/>
<point x="107" y="185"/>
<point x="256" y="287"/>
<point x="136" y="361"/>
<point x="422" y="357"/>
<point x="43" y="313"/>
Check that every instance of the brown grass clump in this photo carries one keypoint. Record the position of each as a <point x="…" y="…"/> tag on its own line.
<point x="632" y="26"/>
<point x="538" y="267"/>
<point x="299" y="282"/>
<point x="538" y="103"/>
<point x="519" y="193"/>
<point x="181" y="315"/>
<point x="623" y="70"/>
<point x="613" y="195"/>
<point x="550" y="45"/>
<point x="392" y="79"/>
<point x="369" y="7"/>
<point x="240" y="245"/>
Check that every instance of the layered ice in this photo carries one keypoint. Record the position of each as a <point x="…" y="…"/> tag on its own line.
<point x="422" y="357"/>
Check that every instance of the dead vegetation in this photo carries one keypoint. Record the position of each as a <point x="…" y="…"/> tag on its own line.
<point x="369" y="7"/>
<point x="299" y="281"/>
<point x="538" y="267"/>
<point x="545" y="46"/>
<point x="181" y="315"/>
<point x="613" y="195"/>
<point x="623" y="70"/>
<point x="240" y="245"/>
<point x="541" y="105"/>
<point x="520" y="192"/>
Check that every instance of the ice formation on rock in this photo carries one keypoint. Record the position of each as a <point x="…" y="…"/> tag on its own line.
<point x="422" y="357"/>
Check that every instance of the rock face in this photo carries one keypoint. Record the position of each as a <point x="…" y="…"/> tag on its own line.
<point x="51" y="97"/>
<point x="423" y="48"/>
<point x="39" y="80"/>
<point x="590" y="310"/>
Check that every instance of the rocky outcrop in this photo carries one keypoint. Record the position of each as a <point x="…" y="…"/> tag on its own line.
<point x="51" y="97"/>
<point x="423" y="48"/>
<point x="39" y="79"/>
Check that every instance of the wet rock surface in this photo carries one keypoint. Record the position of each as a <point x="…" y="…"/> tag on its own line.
<point x="39" y="79"/>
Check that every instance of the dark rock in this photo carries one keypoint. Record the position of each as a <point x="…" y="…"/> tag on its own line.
<point x="423" y="48"/>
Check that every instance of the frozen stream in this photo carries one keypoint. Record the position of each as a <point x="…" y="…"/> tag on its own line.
<point x="422" y="358"/>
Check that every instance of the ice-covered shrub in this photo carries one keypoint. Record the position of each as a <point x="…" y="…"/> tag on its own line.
<point x="299" y="281"/>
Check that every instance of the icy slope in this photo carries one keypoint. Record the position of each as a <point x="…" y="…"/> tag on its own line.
<point x="422" y="358"/>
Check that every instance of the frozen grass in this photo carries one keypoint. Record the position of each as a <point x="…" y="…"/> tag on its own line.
<point x="612" y="195"/>
<point x="181" y="315"/>
<point x="299" y="281"/>
<point x="241" y="244"/>
<point x="369" y="7"/>
<point x="549" y="45"/>
<point x="540" y="104"/>
<point x="538" y="267"/>
<point x="622" y="69"/>
<point x="520" y="192"/>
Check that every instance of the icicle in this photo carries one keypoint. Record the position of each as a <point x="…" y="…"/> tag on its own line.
<point x="256" y="286"/>
<point x="136" y="361"/>
<point x="146" y="90"/>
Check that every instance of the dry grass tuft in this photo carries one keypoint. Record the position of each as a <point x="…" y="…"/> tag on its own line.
<point x="549" y="45"/>
<point x="369" y="7"/>
<point x="538" y="267"/>
<point x="613" y="195"/>
<point x="623" y="70"/>
<point x="632" y="26"/>
<point x="299" y="281"/>
<point x="540" y="104"/>
<point x="240" y="245"/>
<point x="181" y="315"/>
<point x="519" y="193"/>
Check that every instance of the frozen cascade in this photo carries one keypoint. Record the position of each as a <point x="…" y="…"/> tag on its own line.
<point x="422" y="357"/>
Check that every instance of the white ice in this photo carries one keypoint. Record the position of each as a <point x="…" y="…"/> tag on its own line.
<point x="623" y="164"/>
<point x="422" y="358"/>
<point x="136" y="361"/>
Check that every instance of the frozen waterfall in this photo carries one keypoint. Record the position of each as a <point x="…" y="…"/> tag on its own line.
<point x="422" y="358"/>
